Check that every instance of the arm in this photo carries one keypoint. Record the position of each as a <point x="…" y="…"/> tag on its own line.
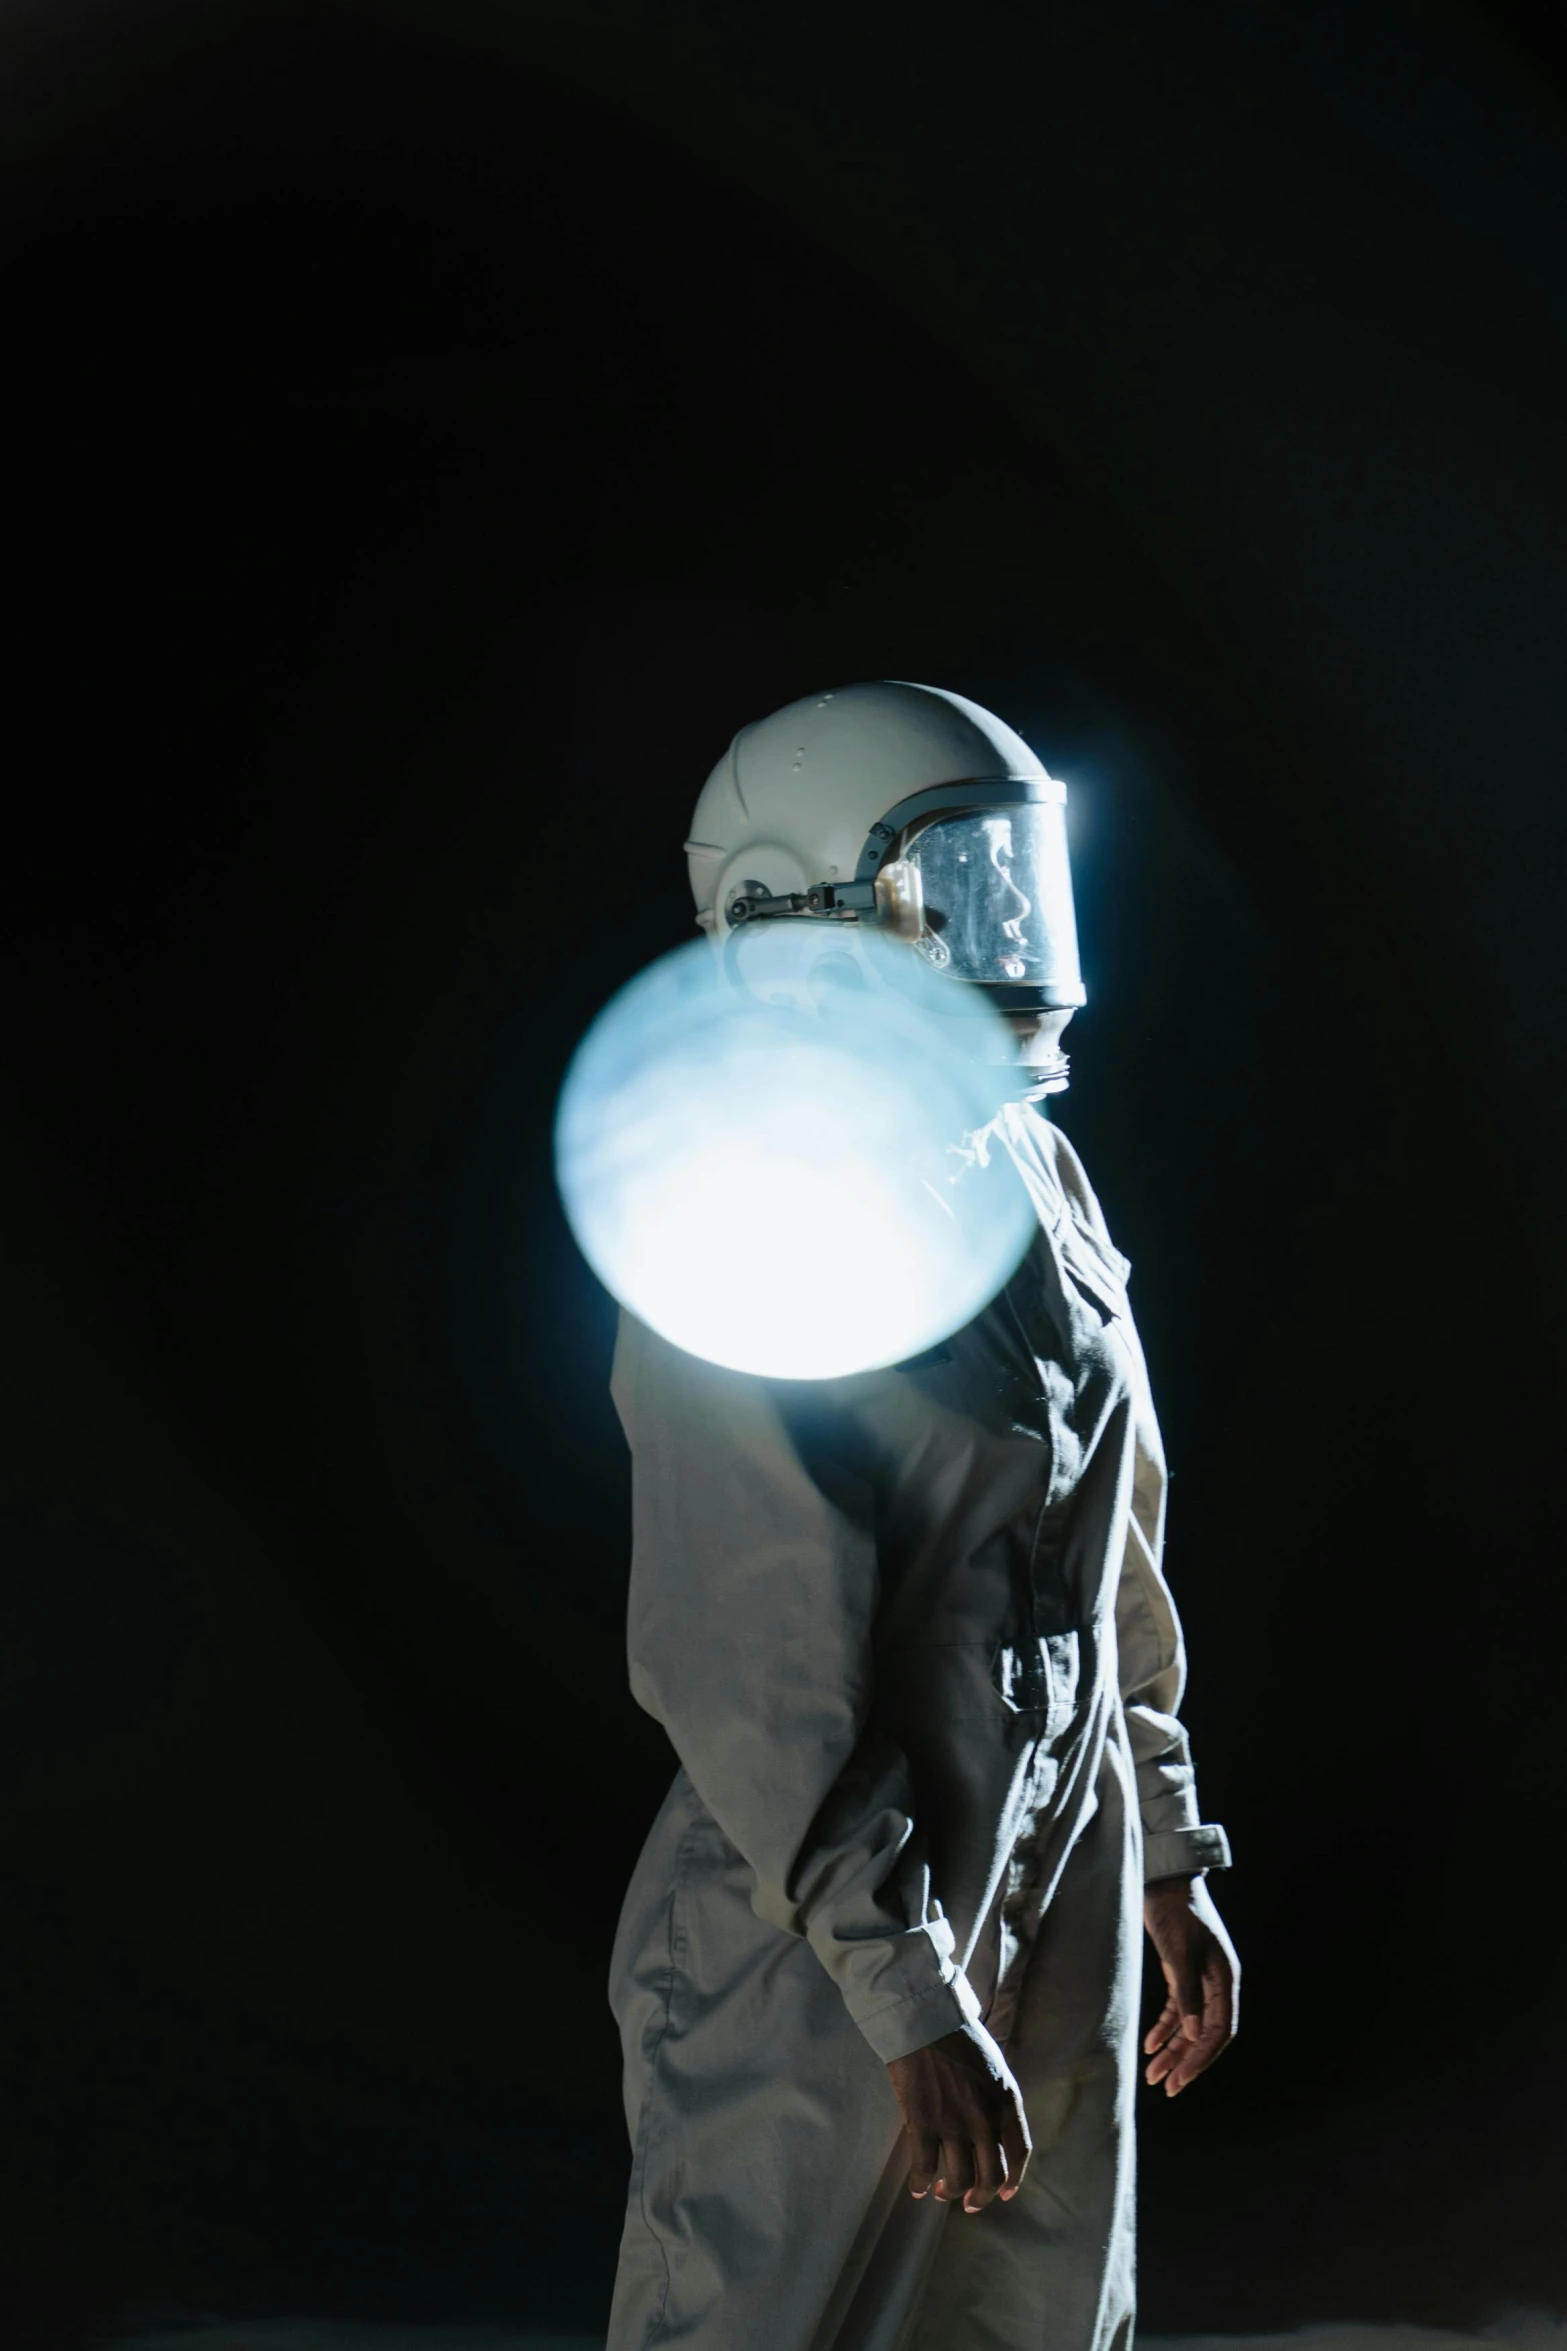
<point x="1201" y="1970"/>
<point x="753" y="1594"/>
<point x="1176" y="1841"/>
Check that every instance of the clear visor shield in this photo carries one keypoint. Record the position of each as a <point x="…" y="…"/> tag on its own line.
<point x="998" y="898"/>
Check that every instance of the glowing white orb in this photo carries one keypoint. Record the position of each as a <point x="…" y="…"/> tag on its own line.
<point x="773" y="1163"/>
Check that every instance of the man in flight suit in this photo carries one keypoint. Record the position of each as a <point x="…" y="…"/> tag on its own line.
<point x="877" y="1975"/>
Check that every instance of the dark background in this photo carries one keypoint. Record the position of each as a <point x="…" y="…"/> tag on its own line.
<point x="430" y="431"/>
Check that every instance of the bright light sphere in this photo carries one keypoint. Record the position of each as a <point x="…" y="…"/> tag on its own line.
<point x="773" y="1163"/>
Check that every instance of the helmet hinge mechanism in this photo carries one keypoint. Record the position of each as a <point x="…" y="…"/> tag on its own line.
<point x="835" y="901"/>
<point x="892" y="901"/>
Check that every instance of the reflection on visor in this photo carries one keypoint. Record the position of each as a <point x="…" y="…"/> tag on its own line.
<point x="998" y="896"/>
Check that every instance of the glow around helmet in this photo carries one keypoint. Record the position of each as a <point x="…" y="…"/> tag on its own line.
<point x="902" y="807"/>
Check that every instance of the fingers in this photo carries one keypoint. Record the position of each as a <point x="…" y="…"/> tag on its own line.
<point x="924" y="2161"/>
<point x="957" y="2171"/>
<point x="1017" y="2147"/>
<point x="1183" y="1974"/>
<point x="990" y="2173"/>
<point x="963" y="2118"/>
<point x="1167" y="2028"/>
<point x="973" y="2173"/>
<point x="1190" y="2053"/>
<point x="972" y="2170"/>
<point x="1215" y="2031"/>
<point x="1167" y="2043"/>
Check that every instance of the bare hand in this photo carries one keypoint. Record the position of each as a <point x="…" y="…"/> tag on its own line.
<point x="1203" y="1977"/>
<point x="968" y="2134"/>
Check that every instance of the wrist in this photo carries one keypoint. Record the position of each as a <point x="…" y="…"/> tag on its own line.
<point x="1173" y="1893"/>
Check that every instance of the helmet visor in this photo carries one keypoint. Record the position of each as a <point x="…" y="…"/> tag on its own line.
<point x="998" y="898"/>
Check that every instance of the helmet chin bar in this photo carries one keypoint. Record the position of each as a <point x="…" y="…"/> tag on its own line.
<point x="1040" y="1059"/>
<point x="1043" y="1082"/>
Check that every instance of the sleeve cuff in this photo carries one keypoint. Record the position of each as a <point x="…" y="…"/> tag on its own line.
<point x="916" y="1994"/>
<point x="1177" y="1853"/>
<point x="913" y="2023"/>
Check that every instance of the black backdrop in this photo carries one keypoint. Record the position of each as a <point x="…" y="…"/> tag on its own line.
<point x="428" y="441"/>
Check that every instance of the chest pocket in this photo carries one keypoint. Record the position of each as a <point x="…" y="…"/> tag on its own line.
<point x="1040" y="1677"/>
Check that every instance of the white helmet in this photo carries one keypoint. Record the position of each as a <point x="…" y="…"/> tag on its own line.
<point x="914" y="810"/>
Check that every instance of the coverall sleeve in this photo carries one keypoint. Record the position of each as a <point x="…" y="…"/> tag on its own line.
<point x="1176" y="1840"/>
<point x="753" y="1594"/>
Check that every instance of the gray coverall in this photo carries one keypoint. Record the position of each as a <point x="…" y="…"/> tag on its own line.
<point x="909" y="1637"/>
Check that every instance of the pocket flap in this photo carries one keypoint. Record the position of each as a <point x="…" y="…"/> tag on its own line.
<point x="1041" y="1676"/>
